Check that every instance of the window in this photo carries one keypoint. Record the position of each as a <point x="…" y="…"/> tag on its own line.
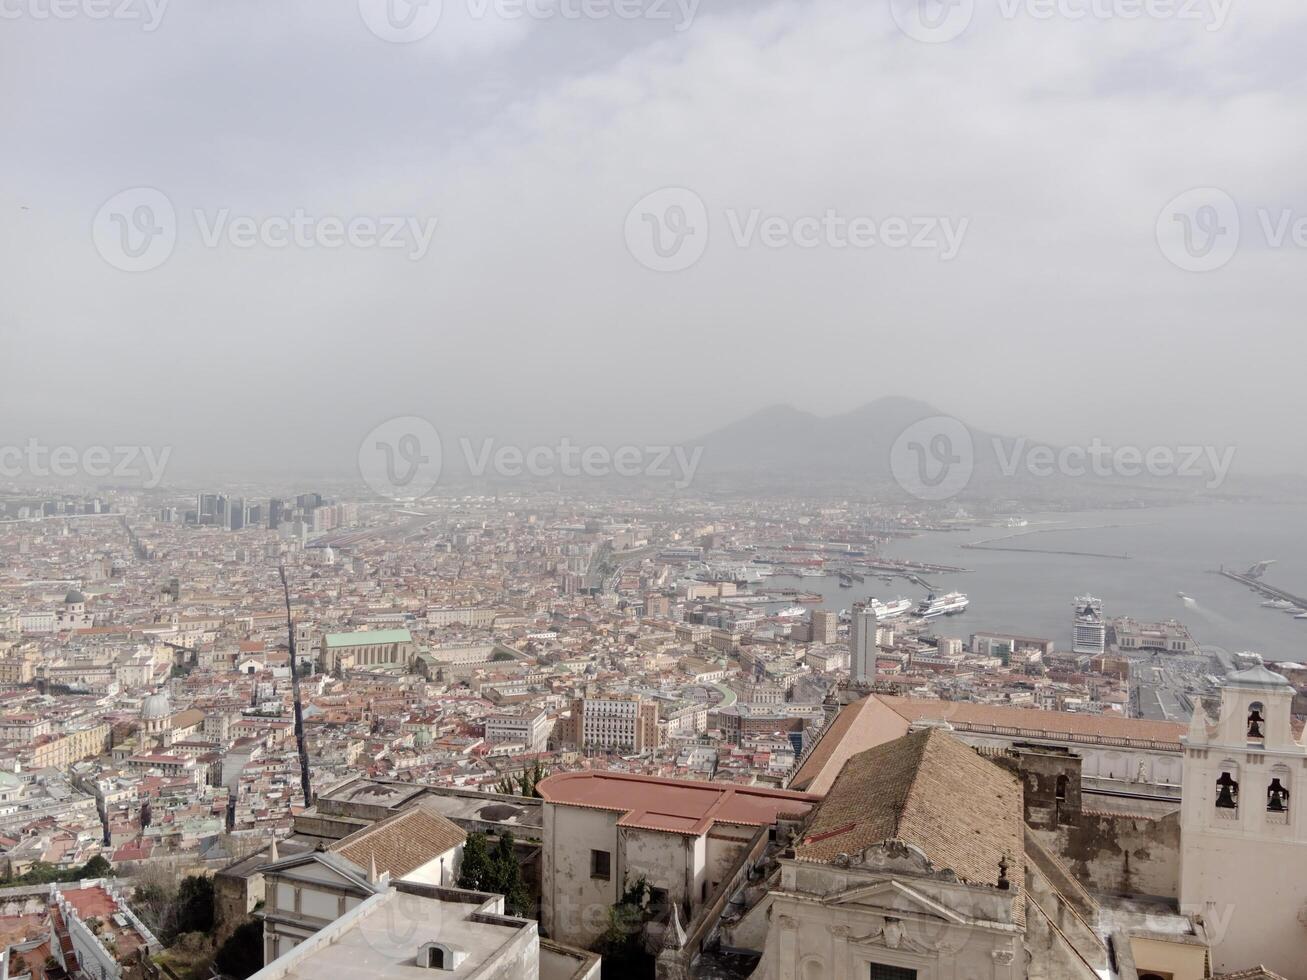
<point x="879" y="971"/>
<point x="1256" y="721"/>
<point x="601" y="865"/>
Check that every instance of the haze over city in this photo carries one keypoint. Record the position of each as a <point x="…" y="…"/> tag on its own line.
<point x="653" y="490"/>
<point x="527" y="140"/>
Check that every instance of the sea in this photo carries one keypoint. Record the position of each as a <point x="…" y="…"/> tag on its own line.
<point x="1136" y="561"/>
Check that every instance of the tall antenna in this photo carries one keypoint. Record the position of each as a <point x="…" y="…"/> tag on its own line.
<point x="295" y="697"/>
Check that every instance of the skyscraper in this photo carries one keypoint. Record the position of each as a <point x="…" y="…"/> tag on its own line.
<point x="862" y="642"/>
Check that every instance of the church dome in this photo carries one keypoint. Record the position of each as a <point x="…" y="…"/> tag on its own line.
<point x="156" y="706"/>
<point x="73" y="598"/>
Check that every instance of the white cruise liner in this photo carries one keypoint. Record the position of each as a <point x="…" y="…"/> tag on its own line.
<point x="949" y="604"/>
<point x="890" y="610"/>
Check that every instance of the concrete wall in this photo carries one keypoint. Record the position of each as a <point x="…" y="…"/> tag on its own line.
<point x="1120" y="855"/>
<point x="573" y="906"/>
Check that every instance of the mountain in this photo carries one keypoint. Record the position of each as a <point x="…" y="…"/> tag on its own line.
<point x="899" y="443"/>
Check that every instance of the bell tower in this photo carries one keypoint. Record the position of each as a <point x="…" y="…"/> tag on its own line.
<point x="1243" y="833"/>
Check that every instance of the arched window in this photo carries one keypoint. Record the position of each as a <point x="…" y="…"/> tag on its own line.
<point x="1256" y="721"/>
<point x="1277" y="793"/>
<point x="1061" y="787"/>
<point x="1227" y="792"/>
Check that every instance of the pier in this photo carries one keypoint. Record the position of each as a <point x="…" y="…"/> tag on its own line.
<point x="1269" y="591"/>
<point x="1044" y="551"/>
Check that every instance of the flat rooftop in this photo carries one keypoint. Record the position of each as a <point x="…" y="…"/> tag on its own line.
<point x="678" y="806"/>
<point x="381" y="939"/>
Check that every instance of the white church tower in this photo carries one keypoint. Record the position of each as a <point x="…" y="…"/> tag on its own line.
<point x="1243" y="845"/>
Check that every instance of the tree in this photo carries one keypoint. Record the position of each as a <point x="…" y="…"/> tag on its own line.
<point x="476" y="872"/>
<point x="194" y="905"/>
<point x="508" y="878"/>
<point x="622" y="943"/>
<point x="496" y="871"/>
<point x="97" y="867"/>
<point x="526" y="782"/>
<point x="241" y="955"/>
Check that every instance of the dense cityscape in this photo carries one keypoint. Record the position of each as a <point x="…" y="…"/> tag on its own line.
<point x="653" y="490"/>
<point x="490" y="672"/>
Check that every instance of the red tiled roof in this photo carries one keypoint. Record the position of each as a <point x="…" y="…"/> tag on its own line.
<point x="673" y="805"/>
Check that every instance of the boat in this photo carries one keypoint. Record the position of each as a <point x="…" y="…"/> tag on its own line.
<point x="1294" y="610"/>
<point x="891" y="609"/>
<point x="1301" y="615"/>
<point x="949" y="604"/>
<point x="1277" y="604"/>
<point x="1181" y="595"/>
<point x="791" y="612"/>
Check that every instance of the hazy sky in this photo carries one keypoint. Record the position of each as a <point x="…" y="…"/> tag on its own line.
<point x="1050" y="145"/>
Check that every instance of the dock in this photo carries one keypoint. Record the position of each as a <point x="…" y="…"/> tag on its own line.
<point x="1269" y="591"/>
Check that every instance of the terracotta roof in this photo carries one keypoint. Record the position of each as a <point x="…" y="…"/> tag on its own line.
<point x="402" y="843"/>
<point x="930" y="790"/>
<point x="1033" y="720"/>
<point x="677" y="806"/>
<point x="857" y="727"/>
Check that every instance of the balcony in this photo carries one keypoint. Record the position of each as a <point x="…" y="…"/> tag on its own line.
<point x="1229" y="814"/>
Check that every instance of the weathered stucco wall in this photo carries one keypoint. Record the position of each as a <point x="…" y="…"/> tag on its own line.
<point x="1120" y="855"/>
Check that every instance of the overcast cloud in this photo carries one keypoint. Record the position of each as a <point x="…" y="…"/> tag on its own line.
<point x="1055" y="143"/>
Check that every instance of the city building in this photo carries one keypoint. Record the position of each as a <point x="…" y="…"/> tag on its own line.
<point x="605" y="830"/>
<point x="1244" y="835"/>
<point x="863" y="640"/>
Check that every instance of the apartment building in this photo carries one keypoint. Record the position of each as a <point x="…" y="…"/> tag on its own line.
<point x="620" y="723"/>
<point x="528" y="728"/>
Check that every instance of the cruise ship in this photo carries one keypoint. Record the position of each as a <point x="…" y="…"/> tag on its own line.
<point x="949" y="604"/>
<point x="1089" y="629"/>
<point x="891" y="609"/>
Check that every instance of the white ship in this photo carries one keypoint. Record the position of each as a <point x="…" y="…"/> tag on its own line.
<point x="791" y="613"/>
<point x="1089" y="629"/>
<point x="726" y="573"/>
<point x="949" y="604"/>
<point x="890" y="610"/>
